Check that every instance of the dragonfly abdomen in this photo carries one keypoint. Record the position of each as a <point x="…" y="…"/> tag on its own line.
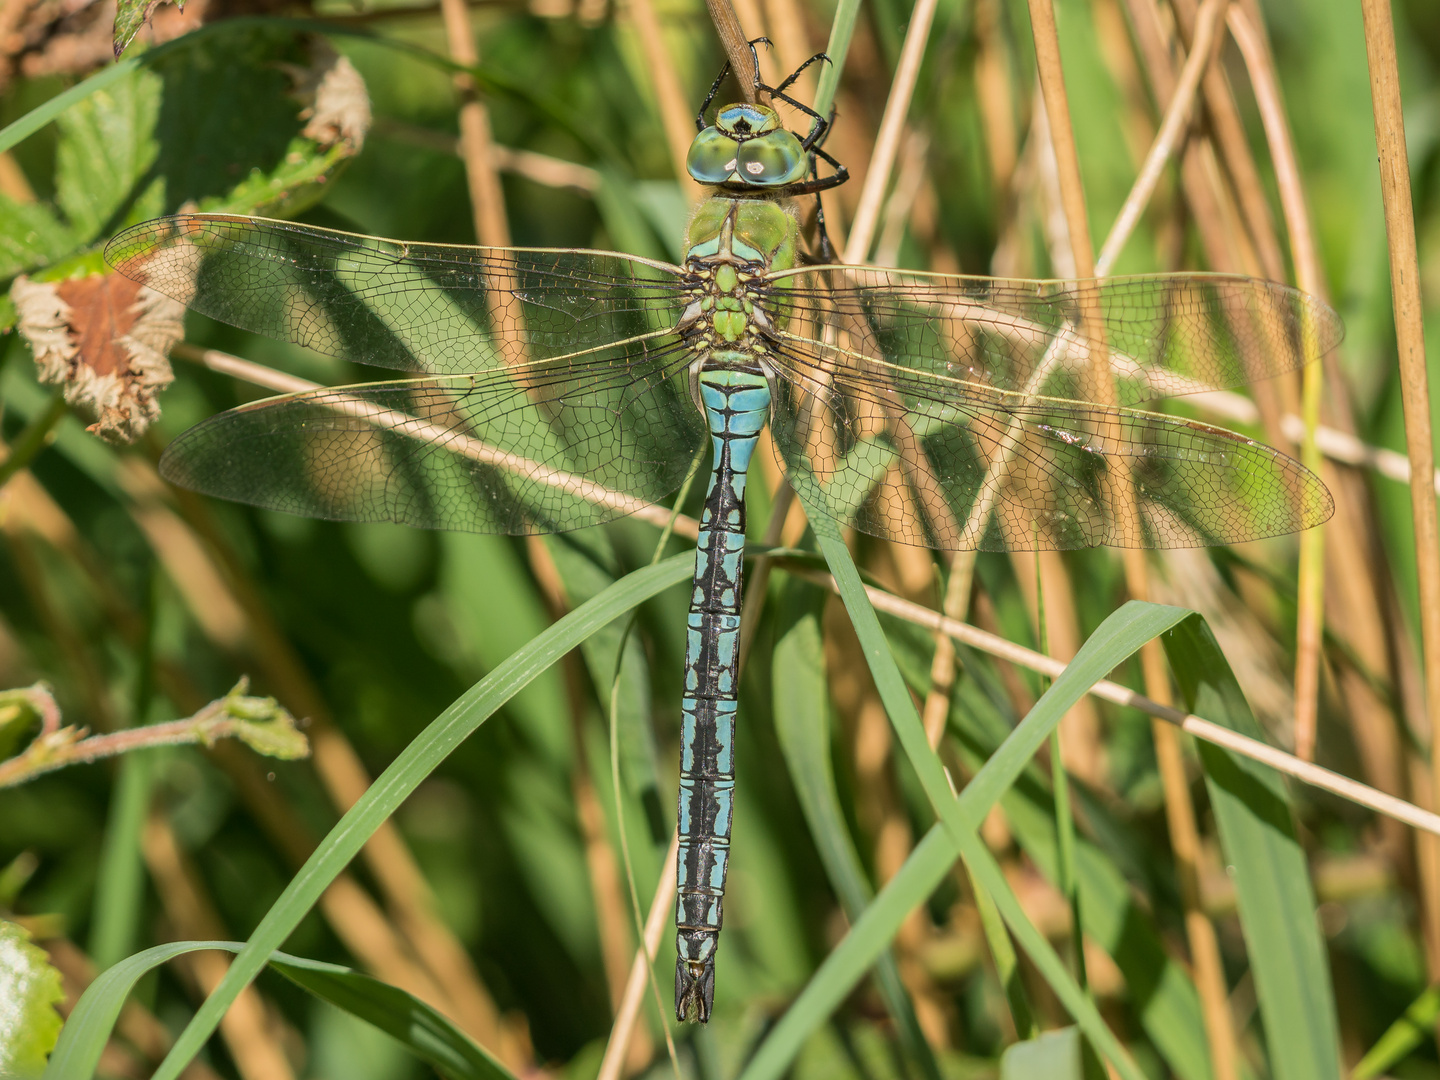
<point x="737" y="405"/>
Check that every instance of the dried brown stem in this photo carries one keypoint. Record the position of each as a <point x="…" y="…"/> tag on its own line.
<point x="1180" y="813"/>
<point x="892" y="129"/>
<point x="250" y="1028"/>
<point x="233" y="716"/>
<point x="675" y="115"/>
<point x="628" y="1013"/>
<point x="1410" y="342"/>
<point x="735" y="44"/>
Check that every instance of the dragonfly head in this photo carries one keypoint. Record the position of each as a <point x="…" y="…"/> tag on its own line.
<point x="747" y="147"/>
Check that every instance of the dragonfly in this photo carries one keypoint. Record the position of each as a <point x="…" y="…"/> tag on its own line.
<point x="554" y="389"/>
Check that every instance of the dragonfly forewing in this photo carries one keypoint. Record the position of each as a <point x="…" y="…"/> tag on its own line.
<point x="1164" y="334"/>
<point x="424" y="308"/>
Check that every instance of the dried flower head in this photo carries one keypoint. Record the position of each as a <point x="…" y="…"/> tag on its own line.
<point x="104" y="339"/>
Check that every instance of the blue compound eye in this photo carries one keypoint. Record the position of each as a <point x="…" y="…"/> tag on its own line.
<point x="712" y="156"/>
<point x="771" y="160"/>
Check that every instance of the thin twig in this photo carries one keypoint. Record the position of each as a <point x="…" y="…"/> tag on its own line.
<point x="1206" y="730"/>
<point x="539" y="168"/>
<point x="737" y="49"/>
<point x="259" y="722"/>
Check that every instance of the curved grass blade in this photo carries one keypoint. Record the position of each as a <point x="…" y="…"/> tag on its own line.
<point x="802" y="725"/>
<point x="1122" y="634"/>
<point x="404" y="774"/>
<point x="422" y="1030"/>
<point x="1272" y="880"/>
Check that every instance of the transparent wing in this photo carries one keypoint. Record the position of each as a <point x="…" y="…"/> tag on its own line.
<point x="555" y="445"/>
<point x="941" y="462"/>
<point x="1164" y="334"/>
<point x="425" y="308"/>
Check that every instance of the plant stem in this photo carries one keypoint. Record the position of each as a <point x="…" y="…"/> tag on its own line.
<point x="34" y="438"/>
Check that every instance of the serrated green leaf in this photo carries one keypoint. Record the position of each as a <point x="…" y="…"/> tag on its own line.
<point x="30" y="988"/>
<point x="103" y="161"/>
<point x="130" y="16"/>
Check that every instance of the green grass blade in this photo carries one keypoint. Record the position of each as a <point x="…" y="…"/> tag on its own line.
<point x="841" y="31"/>
<point x="417" y="1026"/>
<point x="120" y="887"/>
<point x="404" y="774"/>
<point x="802" y="724"/>
<point x="422" y="1030"/>
<point x="1272" y="880"/>
<point x="85" y="1033"/>
<point x="1117" y="638"/>
<point x="1416" y="1025"/>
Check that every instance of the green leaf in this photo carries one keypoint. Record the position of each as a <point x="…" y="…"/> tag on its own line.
<point x="1416" y="1025"/>
<point x="1055" y="1055"/>
<point x="1265" y="860"/>
<point x="29" y="991"/>
<point x="405" y="773"/>
<point x="417" y="1026"/>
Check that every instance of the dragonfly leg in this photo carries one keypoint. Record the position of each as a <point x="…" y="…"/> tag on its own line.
<point x="737" y="405"/>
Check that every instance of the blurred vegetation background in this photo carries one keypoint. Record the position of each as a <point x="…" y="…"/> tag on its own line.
<point x="499" y="892"/>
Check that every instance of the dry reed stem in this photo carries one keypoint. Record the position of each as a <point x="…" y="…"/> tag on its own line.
<point x="735" y="44"/>
<point x="675" y="115"/>
<point x="612" y="922"/>
<point x="1234" y="146"/>
<point x="1410" y="344"/>
<point x="640" y="970"/>
<point x="1309" y="276"/>
<point x="1172" y="128"/>
<point x="248" y="1027"/>
<point x="892" y="129"/>
<point x="1179" y="812"/>
<point x="487" y="203"/>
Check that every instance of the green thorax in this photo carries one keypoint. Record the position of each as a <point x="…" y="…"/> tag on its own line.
<point x="732" y="248"/>
<point x="756" y="231"/>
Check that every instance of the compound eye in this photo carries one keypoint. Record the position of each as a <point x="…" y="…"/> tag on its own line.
<point x="712" y="157"/>
<point x="771" y="160"/>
